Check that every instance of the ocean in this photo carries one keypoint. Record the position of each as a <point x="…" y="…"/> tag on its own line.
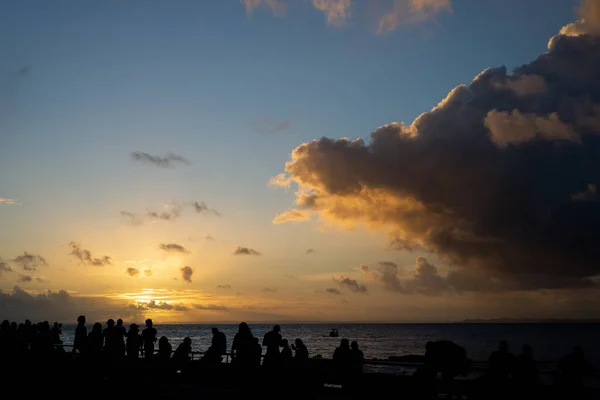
<point x="550" y="341"/>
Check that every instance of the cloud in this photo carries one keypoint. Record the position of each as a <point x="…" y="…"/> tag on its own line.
<point x="280" y="180"/>
<point x="24" y="70"/>
<point x="333" y="291"/>
<point x="18" y="305"/>
<point x="266" y="126"/>
<point x="351" y="284"/>
<point x="4" y="267"/>
<point x="245" y="251"/>
<point x="225" y="286"/>
<point x="588" y="23"/>
<point x="131" y="271"/>
<point x="201" y="207"/>
<point x="173" y="248"/>
<point x="4" y="200"/>
<point x="159" y="305"/>
<point x="29" y="262"/>
<point x="209" y="238"/>
<point x="494" y="203"/>
<point x="132" y="218"/>
<point x="85" y="256"/>
<point x="209" y="307"/>
<point x="40" y="280"/>
<point x="310" y="251"/>
<point x="25" y="278"/>
<point x="277" y="7"/>
<point x="425" y="279"/>
<point x="406" y="12"/>
<point x="338" y="12"/>
<point x="186" y="274"/>
<point x="269" y="290"/>
<point x="292" y="215"/>
<point x="164" y="162"/>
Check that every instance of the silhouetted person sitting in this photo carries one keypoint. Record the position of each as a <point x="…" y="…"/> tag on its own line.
<point x="256" y="353"/>
<point x="301" y="356"/>
<point x="218" y="347"/>
<point x="148" y="339"/>
<point x="164" y="349"/>
<point x="342" y="361"/>
<point x="525" y="374"/>
<point x="501" y="363"/>
<point x="80" y="340"/>
<point x="183" y="352"/>
<point x="243" y="347"/>
<point x="286" y="354"/>
<point x="445" y="357"/>
<point x="272" y="341"/>
<point x="134" y="341"/>
<point x="573" y="368"/>
<point x="95" y="341"/>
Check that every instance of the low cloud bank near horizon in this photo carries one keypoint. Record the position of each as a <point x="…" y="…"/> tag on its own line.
<point x="498" y="180"/>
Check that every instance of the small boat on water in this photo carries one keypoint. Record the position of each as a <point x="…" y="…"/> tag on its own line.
<point x="334" y="333"/>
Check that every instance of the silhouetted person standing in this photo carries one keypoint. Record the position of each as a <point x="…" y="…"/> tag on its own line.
<point x="133" y="342"/>
<point x="272" y="341"/>
<point x="242" y="348"/>
<point x="525" y="376"/>
<point x="501" y="363"/>
<point x="342" y="361"/>
<point x="95" y="341"/>
<point x="109" y="334"/>
<point x="148" y="339"/>
<point x="120" y="334"/>
<point x="80" y="340"/>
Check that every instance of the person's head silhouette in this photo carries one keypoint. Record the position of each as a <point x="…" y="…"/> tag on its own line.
<point x="149" y="323"/>
<point x="277" y="328"/>
<point x="215" y="331"/>
<point x="354" y="345"/>
<point x="110" y="323"/>
<point x="344" y="343"/>
<point x="119" y="322"/>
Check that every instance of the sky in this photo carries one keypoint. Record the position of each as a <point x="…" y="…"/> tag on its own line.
<point x="299" y="160"/>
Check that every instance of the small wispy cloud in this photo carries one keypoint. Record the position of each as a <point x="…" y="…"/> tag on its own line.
<point x="333" y="291"/>
<point x="201" y="207"/>
<point x="25" y="70"/>
<point x="131" y="271"/>
<point x="292" y="216"/>
<point x="266" y="126"/>
<point x="407" y="12"/>
<point x="29" y="262"/>
<point x="4" y="267"/>
<point x="186" y="274"/>
<point x="225" y="286"/>
<point x="310" y="251"/>
<point x="280" y="180"/>
<point x="269" y="290"/>
<point x="209" y="307"/>
<point x="25" y="278"/>
<point x="277" y="7"/>
<point x="173" y="248"/>
<point x="164" y="162"/>
<point x="210" y="238"/>
<point x="245" y="251"/>
<point x="85" y="256"/>
<point x="338" y="12"/>
<point x="4" y="200"/>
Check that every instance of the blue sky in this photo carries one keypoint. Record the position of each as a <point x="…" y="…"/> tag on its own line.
<point x="83" y="84"/>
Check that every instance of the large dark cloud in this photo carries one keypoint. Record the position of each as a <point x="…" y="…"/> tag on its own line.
<point x="425" y="279"/>
<point x="164" y="162"/>
<point x="485" y="179"/>
<point x="29" y="262"/>
<point x="85" y="256"/>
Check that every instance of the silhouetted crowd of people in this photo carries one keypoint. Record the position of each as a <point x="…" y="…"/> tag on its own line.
<point x="507" y="375"/>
